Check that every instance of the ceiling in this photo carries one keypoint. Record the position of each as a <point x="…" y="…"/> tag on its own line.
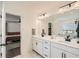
<point x="49" y="7"/>
<point x="41" y="6"/>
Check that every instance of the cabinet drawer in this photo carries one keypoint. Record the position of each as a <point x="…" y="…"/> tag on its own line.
<point x="67" y="48"/>
<point x="46" y="46"/>
<point x="46" y="43"/>
<point x="46" y="54"/>
<point x="40" y="40"/>
<point x="46" y="49"/>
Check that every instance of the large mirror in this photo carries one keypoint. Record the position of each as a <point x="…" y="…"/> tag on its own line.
<point x="61" y="22"/>
<point x="65" y="22"/>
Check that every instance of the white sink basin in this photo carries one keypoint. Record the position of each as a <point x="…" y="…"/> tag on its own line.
<point x="69" y="43"/>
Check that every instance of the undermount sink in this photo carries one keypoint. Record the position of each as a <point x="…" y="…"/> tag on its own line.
<point x="62" y="40"/>
<point x="67" y="42"/>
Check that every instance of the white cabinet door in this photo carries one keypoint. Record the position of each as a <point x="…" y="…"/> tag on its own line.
<point x="37" y="45"/>
<point x="56" y="53"/>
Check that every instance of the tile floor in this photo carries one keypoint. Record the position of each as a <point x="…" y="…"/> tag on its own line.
<point x="33" y="54"/>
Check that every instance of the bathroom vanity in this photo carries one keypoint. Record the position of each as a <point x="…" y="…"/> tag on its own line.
<point x="63" y="44"/>
<point x="55" y="48"/>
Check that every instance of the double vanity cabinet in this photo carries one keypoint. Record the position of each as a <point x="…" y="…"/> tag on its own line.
<point x="62" y="51"/>
<point x="51" y="48"/>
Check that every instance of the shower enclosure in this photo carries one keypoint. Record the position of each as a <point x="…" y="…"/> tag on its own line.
<point x="9" y="33"/>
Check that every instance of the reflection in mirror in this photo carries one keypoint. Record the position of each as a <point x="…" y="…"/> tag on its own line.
<point x="49" y="28"/>
<point x="65" y="22"/>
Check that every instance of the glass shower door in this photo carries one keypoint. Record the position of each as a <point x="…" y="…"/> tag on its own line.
<point x="9" y="33"/>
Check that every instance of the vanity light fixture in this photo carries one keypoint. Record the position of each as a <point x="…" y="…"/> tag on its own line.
<point x="43" y="15"/>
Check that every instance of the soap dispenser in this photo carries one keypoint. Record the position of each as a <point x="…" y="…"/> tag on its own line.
<point x="43" y="33"/>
